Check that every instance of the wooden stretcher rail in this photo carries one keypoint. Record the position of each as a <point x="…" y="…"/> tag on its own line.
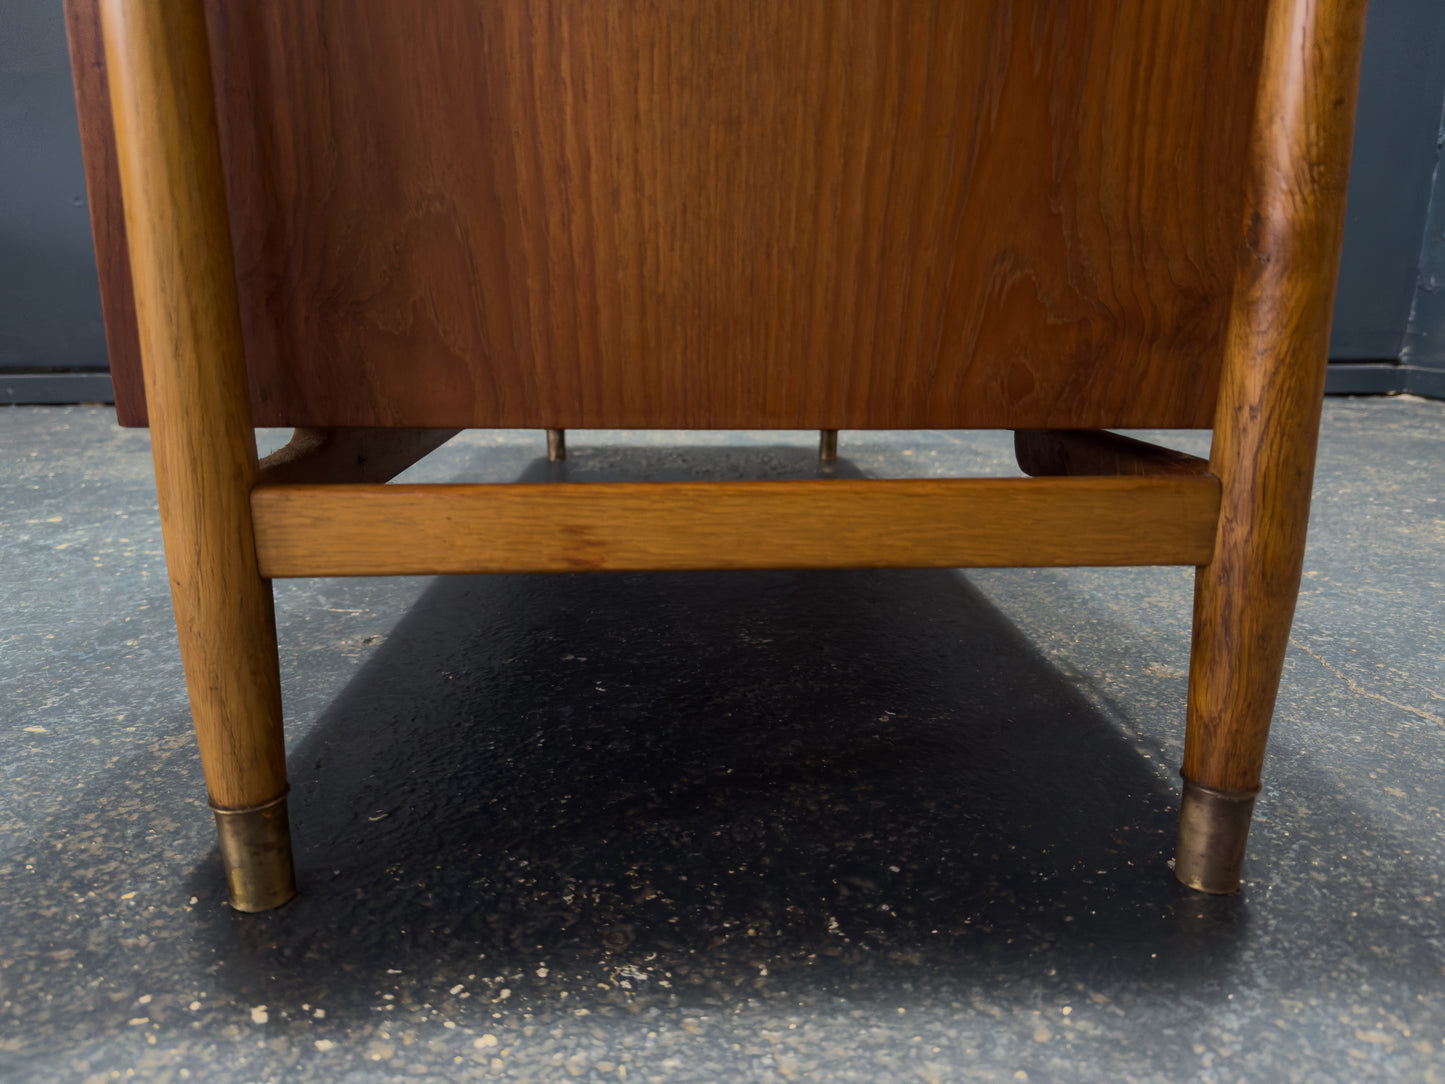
<point x="379" y="530"/>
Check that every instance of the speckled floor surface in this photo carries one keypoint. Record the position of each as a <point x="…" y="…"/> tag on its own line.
<point x="709" y="827"/>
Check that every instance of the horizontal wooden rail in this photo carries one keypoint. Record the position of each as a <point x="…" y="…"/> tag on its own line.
<point x="382" y="530"/>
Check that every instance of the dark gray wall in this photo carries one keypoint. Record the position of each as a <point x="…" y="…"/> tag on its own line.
<point x="49" y="300"/>
<point x="1425" y="337"/>
<point x="1402" y="86"/>
<point x="50" y="308"/>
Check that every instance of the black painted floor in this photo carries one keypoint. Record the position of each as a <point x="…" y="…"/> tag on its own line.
<point x="743" y="826"/>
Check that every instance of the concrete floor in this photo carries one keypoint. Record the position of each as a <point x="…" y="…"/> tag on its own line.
<point x="699" y="827"/>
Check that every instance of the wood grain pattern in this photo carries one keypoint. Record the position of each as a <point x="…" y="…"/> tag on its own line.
<point x="205" y="451"/>
<point x="816" y="523"/>
<point x="1052" y="452"/>
<point x="707" y="214"/>
<point x="1273" y="385"/>
<point x="107" y="214"/>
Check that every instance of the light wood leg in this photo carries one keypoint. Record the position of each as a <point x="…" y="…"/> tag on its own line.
<point x="1267" y="423"/>
<point x="201" y="435"/>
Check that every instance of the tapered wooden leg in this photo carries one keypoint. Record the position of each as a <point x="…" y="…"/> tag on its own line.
<point x="201" y="435"/>
<point x="1267" y="422"/>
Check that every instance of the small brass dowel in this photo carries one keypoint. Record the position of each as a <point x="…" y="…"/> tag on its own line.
<point x="827" y="445"/>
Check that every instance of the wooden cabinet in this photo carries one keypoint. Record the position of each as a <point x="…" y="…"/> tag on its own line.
<point x="1049" y="217"/>
<point x="719" y="215"/>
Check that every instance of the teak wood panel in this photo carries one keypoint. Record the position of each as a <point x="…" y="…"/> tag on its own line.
<point x="376" y="530"/>
<point x="705" y="213"/>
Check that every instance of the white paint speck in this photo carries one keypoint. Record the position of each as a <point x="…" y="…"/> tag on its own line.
<point x="259" y="1015"/>
<point x="324" y="1045"/>
<point x="455" y="990"/>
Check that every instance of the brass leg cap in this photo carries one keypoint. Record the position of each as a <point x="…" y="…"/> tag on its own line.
<point x="1213" y="829"/>
<point x="256" y="851"/>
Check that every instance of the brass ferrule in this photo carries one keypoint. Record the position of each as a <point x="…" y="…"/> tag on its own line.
<point x="1213" y="829"/>
<point x="256" y="852"/>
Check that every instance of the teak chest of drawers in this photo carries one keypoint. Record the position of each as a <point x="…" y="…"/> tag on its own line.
<point x="383" y="223"/>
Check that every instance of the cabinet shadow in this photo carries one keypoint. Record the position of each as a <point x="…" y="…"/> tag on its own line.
<point x="721" y="786"/>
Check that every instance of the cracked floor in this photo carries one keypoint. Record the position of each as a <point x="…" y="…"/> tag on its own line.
<point x="698" y="827"/>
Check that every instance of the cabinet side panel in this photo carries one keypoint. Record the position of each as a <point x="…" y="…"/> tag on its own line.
<point x="706" y="214"/>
